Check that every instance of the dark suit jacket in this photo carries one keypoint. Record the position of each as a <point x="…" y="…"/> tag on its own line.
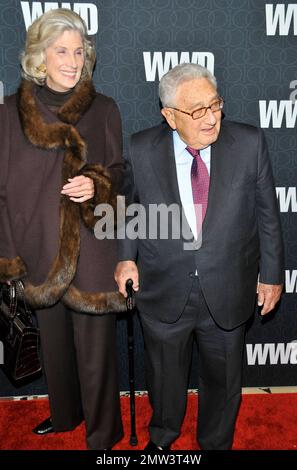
<point x="241" y="233"/>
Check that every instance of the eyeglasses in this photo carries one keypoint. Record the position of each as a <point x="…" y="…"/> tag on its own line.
<point x="200" y="112"/>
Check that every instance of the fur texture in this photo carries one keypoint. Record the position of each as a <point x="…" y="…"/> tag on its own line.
<point x="63" y="135"/>
<point x="94" y="303"/>
<point x="103" y="193"/>
<point x="11" y="269"/>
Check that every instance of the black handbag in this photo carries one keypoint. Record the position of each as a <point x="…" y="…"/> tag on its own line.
<point x="19" y="336"/>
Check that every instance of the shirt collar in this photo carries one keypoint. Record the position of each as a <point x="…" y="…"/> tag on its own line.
<point x="180" y="147"/>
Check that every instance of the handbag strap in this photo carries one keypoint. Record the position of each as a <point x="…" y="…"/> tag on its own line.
<point x="12" y="300"/>
<point x="17" y="295"/>
<point x="20" y="293"/>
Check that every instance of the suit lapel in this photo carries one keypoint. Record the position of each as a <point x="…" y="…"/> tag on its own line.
<point x="163" y="163"/>
<point x="223" y="163"/>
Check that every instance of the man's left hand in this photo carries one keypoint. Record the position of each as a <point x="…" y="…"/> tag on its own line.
<point x="79" y="189"/>
<point x="268" y="296"/>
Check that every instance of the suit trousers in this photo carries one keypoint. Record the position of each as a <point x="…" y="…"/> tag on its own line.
<point x="80" y="365"/>
<point x="168" y="352"/>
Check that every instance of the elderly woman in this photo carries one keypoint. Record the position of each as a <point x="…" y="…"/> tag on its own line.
<point x="61" y="156"/>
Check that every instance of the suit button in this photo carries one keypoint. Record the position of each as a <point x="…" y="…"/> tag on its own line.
<point x="191" y="275"/>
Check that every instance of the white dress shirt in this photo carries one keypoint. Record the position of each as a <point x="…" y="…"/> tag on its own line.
<point x="183" y="162"/>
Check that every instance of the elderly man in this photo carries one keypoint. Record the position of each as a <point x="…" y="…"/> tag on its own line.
<point x="205" y="290"/>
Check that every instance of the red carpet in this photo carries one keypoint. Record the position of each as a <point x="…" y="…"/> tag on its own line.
<point x="266" y="421"/>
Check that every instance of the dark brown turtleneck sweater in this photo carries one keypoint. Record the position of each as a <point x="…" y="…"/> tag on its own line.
<point x="51" y="98"/>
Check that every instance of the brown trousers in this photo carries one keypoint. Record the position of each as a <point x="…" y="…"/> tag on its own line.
<point x="79" y="362"/>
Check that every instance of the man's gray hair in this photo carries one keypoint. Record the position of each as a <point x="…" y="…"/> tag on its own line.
<point x="178" y="75"/>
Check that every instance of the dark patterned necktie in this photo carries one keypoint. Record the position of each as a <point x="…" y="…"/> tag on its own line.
<point x="200" y="186"/>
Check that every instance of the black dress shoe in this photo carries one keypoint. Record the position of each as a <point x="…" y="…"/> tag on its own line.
<point x="153" y="448"/>
<point x="46" y="427"/>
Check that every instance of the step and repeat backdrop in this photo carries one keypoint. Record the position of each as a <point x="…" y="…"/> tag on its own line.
<point x="251" y="47"/>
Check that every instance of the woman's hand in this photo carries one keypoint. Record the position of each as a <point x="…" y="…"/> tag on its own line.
<point x="79" y="189"/>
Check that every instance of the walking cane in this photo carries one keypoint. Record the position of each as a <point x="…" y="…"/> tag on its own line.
<point x="130" y="308"/>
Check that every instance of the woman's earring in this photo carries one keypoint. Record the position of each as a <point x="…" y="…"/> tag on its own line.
<point x="41" y="68"/>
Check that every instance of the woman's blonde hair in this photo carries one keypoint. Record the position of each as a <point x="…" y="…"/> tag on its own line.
<point x="44" y="31"/>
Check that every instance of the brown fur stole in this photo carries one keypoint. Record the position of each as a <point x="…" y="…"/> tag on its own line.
<point x="63" y="135"/>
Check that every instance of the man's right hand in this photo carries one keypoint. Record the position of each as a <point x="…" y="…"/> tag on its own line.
<point x="126" y="270"/>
